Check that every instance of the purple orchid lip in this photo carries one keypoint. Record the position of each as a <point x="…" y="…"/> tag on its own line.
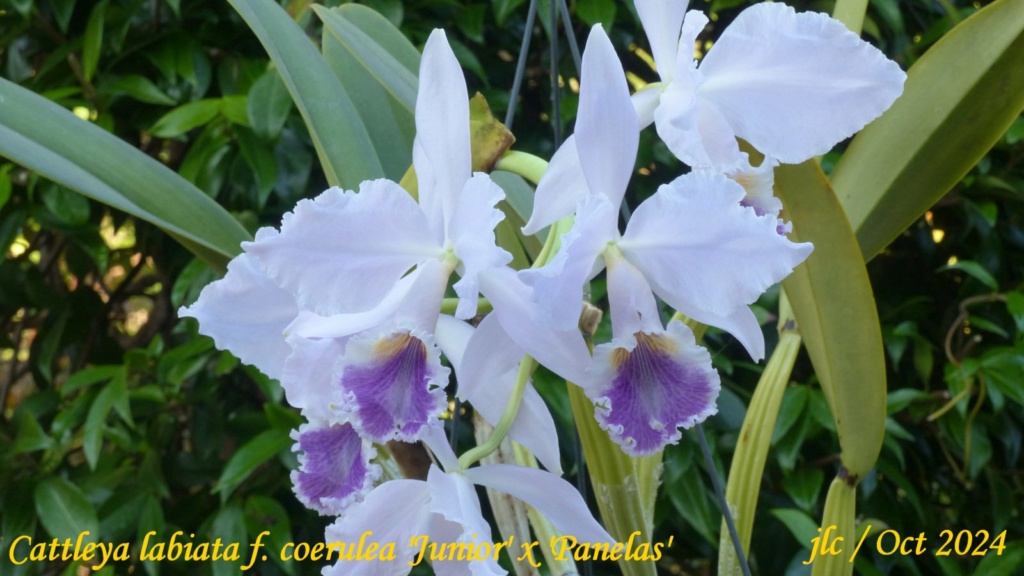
<point x="335" y="467"/>
<point x="393" y="384"/>
<point x="659" y="386"/>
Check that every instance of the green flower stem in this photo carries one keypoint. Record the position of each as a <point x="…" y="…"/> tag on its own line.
<point x="526" y="165"/>
<point x="526" y="368"/>
<point x="448" y="306"/>
<point x="755" y="440"/>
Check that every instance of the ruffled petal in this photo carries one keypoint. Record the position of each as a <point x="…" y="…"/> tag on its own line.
<point x="607" y="130"/>
<point x="246" y="313"/>
<point x="662" y="20"/>
<point x="389" y="516"/>
<point x="558" y="286"/>
<point x="697" y="245"/>
<point x="562" y="351"/>
<point x="471" y="232"/>
<point x="759" y="184"/>
<point x="559" y="190"/>
<point x="794" y="85"/>
<point x="486" y="378"/>
<point x="649" y="385"/>
<point x="553" y="497"/>
<point x="343" y="252"/>
<point x="442" y="127"/>
<point x="393" y="384"/>
<point x="334" y="467"/>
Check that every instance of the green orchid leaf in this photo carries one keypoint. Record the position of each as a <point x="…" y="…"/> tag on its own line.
<point x="342" y="142"/>
<point x="959" y="100"/>
<point x="835" y="310"/>
<point x="358" y="45"/>
<point x="48" y="139"/>
<point x="378" y="46"/>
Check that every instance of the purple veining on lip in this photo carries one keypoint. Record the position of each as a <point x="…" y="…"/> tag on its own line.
<point x="652" y="394"/>
<point x="335" y="468"/>
<point x="392" y="392"/>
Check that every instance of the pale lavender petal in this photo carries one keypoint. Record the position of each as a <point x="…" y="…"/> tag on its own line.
<point x="434" y="438"/>
<point x="793" y="85"/>
<point x="562" y="351"/>
<point x="389" y="516"/>
<point x="452" y="337"/>
<point x="741" y="323"/>
<point x="343" y="252"/>
<point x="415" y="300"/>
<point x="552" y="496"/>
<point x="699" y="248"/>
<point x="650" y="386"/>
<point x="607" y="130"/>
<point x="445" y="532"/>
<point x="308" y="376"/>
<point x="442" y="126"/>
<point x="334" y="467"/>
<point x="458" y="519"/>
<point x="759" y="183"/>
<point x="645" y="102"/>
<point x="630" y="298"/>
<point x="560" y="189"/>
<point x="454" y="497"/>
<point x="393" y="384"/>
<point x="662" y="20"/>
<point x="471" y="232"/>
<point x="487" y="375"/>
<point x="558" y="286"/>
<point x="694" y="130"/>
<point x="246" y="313"/>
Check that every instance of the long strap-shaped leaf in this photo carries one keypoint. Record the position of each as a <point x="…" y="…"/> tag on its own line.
<point x="344" y="146"/>
<point x="377" y="66"/>
<point x="835" y="309"/>
<point x="959" y="99"/>
<point x="48" y="139"/>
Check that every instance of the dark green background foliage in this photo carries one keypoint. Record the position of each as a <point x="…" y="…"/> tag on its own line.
<point x="118" y="419"/>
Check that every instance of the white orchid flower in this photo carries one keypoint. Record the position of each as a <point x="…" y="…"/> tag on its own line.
<point x="791" y="84"/>
<point x="445" y="510"/>
<point x="337" y="278"/>
<point x="692" y="243"/>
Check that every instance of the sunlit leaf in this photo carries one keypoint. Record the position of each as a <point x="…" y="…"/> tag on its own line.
<point x="835" y="309"/>
<point x="50" y="140"/>
<point x="960" y="98"/>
